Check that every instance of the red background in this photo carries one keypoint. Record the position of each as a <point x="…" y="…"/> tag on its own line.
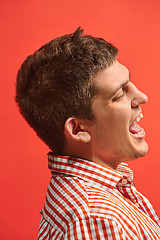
<point x="134" y="27"/>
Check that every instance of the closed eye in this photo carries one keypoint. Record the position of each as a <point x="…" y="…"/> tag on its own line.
<point x="119" y="96"/>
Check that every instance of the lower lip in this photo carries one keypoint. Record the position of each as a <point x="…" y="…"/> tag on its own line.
<point x="139" y="135"/>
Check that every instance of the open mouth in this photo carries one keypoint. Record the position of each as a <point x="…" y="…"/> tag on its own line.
<point x="135" y="129"/>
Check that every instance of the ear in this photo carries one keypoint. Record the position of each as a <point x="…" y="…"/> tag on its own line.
<point x="76" y="130"/>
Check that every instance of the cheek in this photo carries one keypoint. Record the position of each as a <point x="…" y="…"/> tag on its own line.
<point x="113" y="120"/>
<point x="119" y="116"/>
<point x="118" y="124"/>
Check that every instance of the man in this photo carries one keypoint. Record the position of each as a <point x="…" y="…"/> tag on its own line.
<point x="81" y="103"/>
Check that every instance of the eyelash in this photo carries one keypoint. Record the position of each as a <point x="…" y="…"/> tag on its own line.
<point x="116" y="98"/>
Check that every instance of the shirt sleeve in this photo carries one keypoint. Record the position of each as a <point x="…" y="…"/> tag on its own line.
<point x="84" y="229"/>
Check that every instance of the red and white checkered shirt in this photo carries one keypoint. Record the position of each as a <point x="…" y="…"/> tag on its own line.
<point x="88" y="201"/>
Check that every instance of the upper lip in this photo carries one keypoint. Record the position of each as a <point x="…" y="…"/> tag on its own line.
<point x="138" y="117"/>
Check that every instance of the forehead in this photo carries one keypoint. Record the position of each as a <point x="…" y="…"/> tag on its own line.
<point x="111" y="79"/>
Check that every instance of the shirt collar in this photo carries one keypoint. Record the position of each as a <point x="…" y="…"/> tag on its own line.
<point x="89" y="171"/>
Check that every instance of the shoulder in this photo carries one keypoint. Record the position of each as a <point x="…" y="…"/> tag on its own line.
<point x="66" y="202"/>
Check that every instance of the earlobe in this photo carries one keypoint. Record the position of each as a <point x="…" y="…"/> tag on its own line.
<point x="74" y="128"/>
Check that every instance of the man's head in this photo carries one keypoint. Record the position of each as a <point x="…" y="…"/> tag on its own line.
<point x="57" y="82"/>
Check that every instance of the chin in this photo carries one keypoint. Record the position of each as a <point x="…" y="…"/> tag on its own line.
<point x="142" y="151"/>
<point x="136" y="152"/>
<point x="139" y="146"/>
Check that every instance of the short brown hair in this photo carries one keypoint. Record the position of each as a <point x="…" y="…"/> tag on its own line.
<point x="56" y="82"/>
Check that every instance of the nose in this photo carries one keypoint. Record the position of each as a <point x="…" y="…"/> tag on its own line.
<point x="138" y="98"/>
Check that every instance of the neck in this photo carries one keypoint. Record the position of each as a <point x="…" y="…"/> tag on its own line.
<point x="84" y="151"/>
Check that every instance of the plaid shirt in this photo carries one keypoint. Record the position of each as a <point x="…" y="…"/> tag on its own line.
<point x="88" y="201"/>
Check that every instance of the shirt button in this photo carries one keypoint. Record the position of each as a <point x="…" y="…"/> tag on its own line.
<point x="124" y="181"/>
<point x="70" y="161"/>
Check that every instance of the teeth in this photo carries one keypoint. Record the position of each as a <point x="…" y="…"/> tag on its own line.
<point x="138" y="118"/>
<point x="141" y="115"/>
